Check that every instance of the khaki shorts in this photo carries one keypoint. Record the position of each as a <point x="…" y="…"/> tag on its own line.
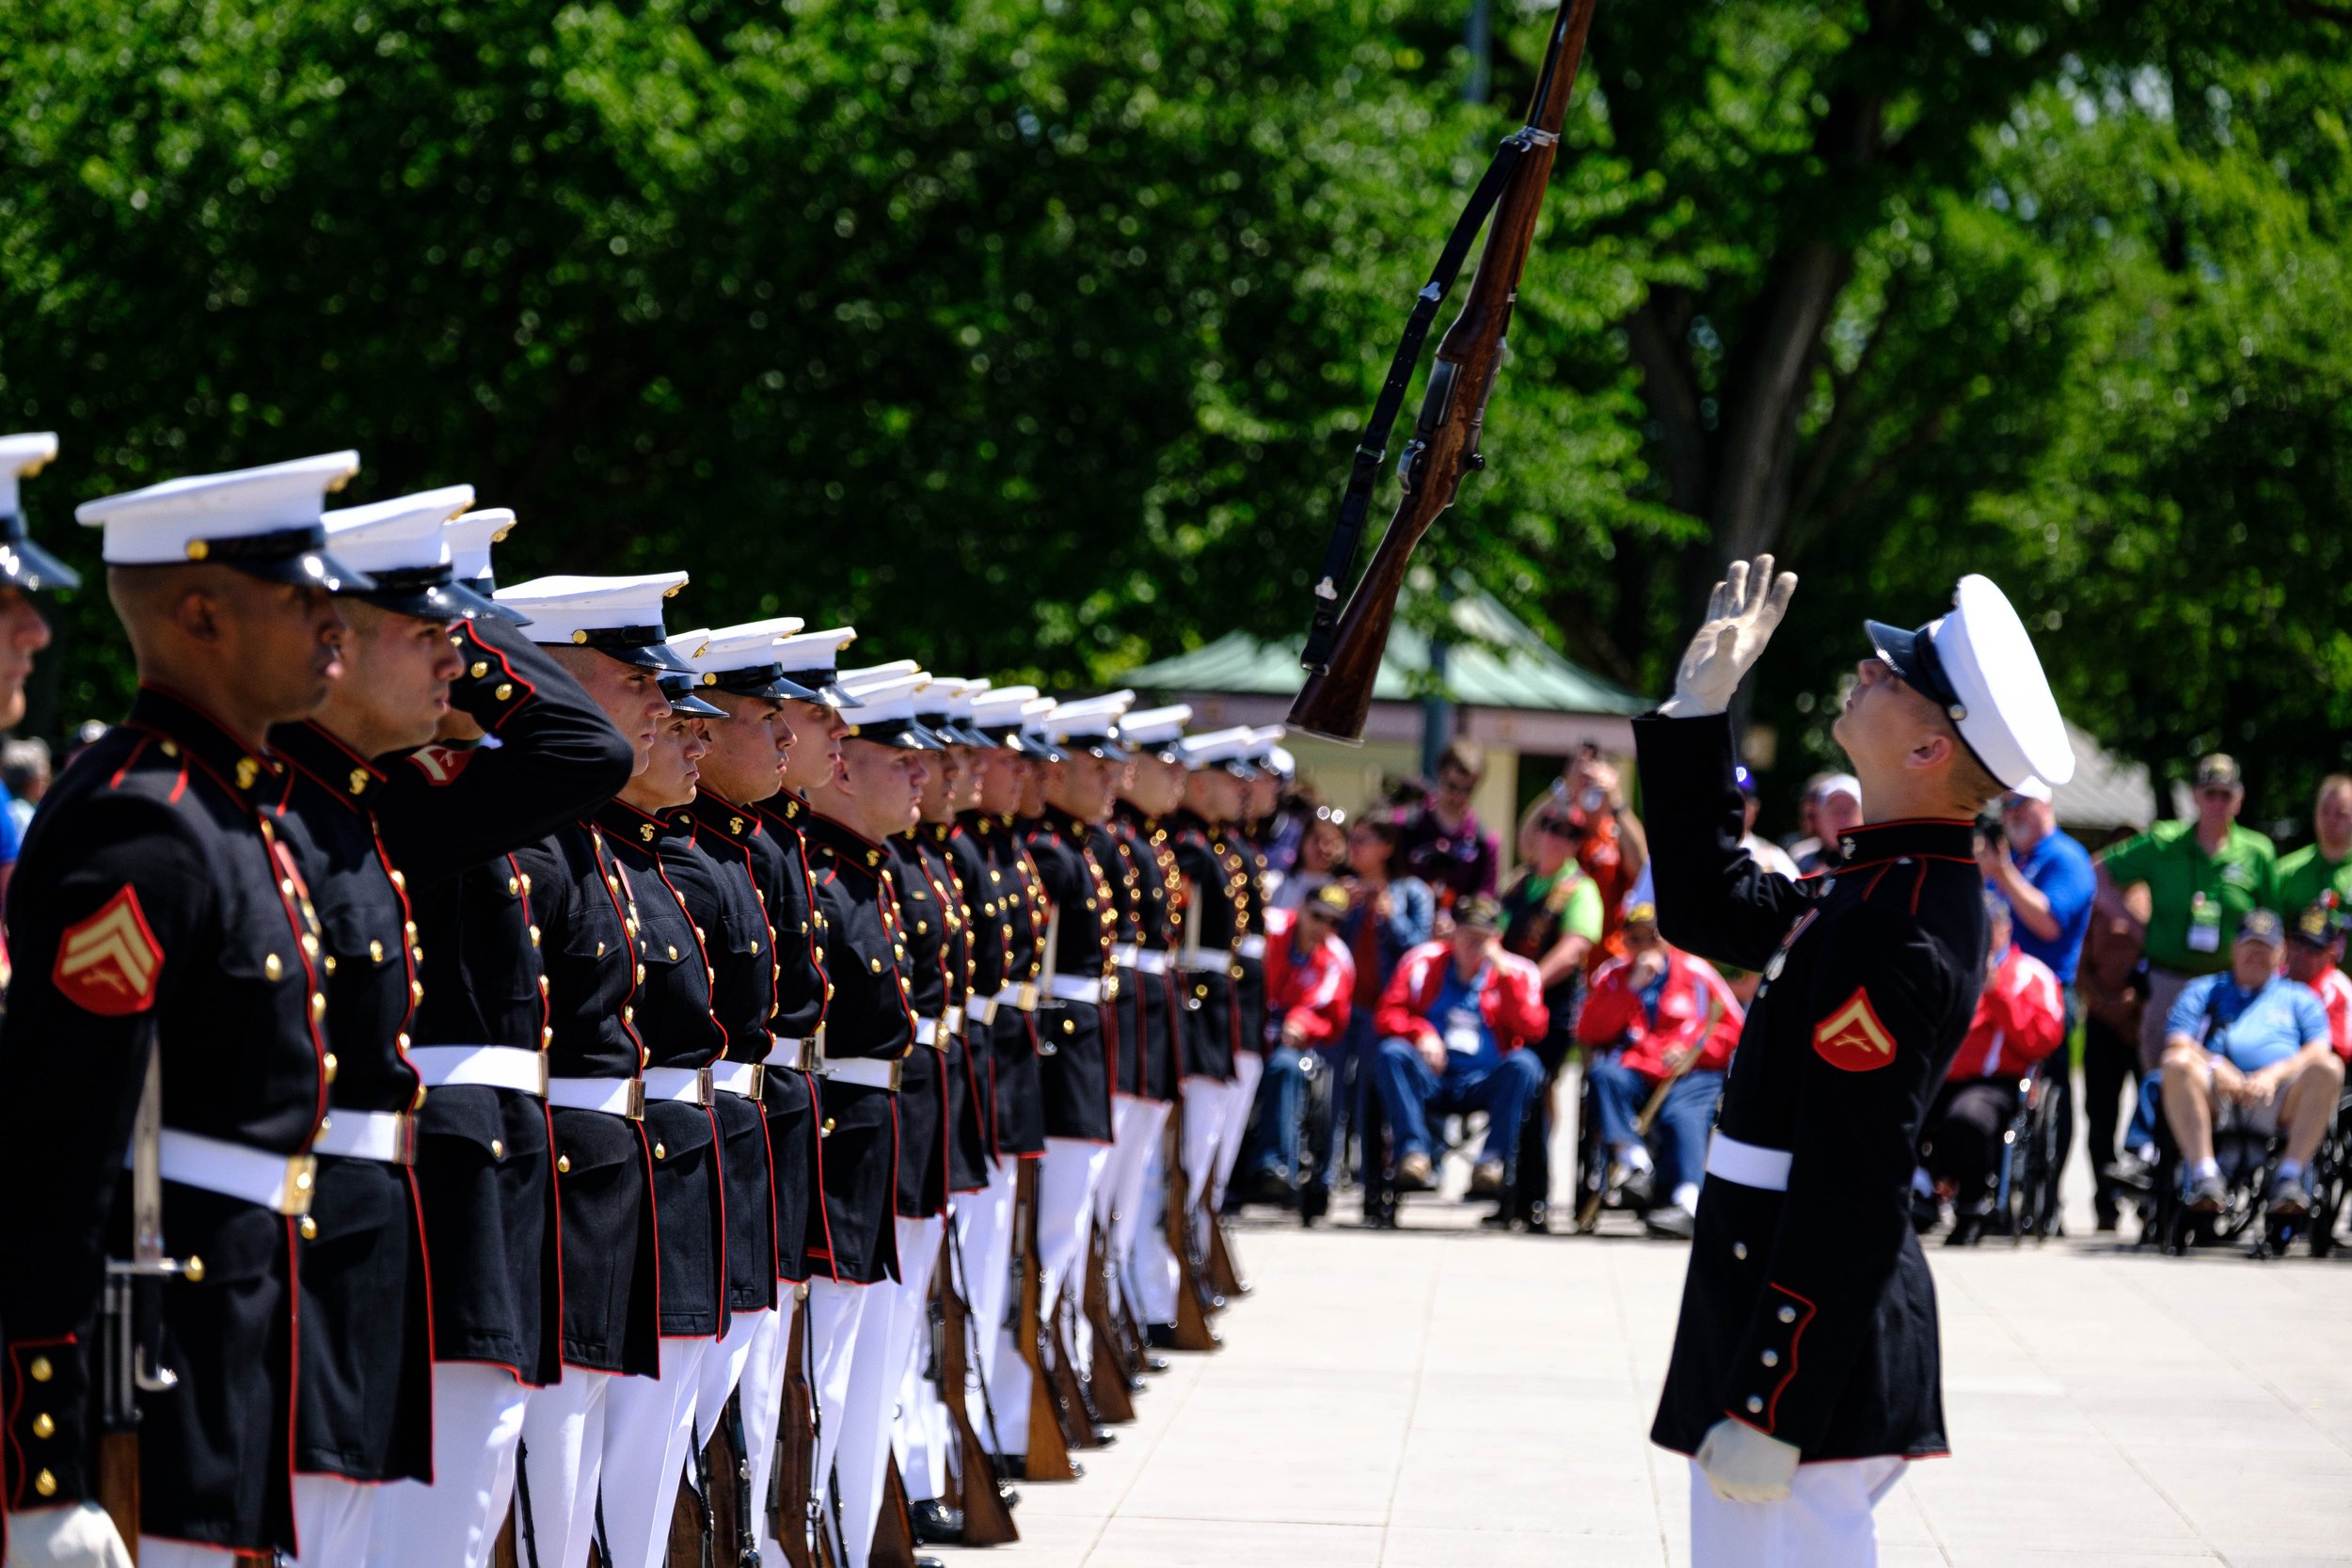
<point x="2164" y="988"/>
<point x="2232" y="1117"/>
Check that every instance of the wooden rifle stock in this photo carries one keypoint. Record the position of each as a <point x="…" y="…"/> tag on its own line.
<point x="796" y="1443"/>
<point x="1193" y="1331"/>
<point x="1049" y="1440"/>
<point x="1337" y="696"/>
<point x="1107" y="1368"/>
<point x="971" y="1481"/>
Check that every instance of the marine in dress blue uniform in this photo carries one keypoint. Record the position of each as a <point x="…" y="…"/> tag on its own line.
<point x="159" y="923"/>
<point x="1808" y="1329"/>
<point x="522" y="752"/>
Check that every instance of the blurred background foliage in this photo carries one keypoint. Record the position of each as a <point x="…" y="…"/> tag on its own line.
<point x="1033" y="335"/>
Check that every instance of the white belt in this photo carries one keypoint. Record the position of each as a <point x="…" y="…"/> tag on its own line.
<point x="1123" y="954"/>
<point x="1750" y="1165"/>
<point x="744" y="1079"/>
<point x="1152" y="962"/>
<point x="1023" y="996"/>
<point x="873" y="1072"/>
<point x="791" y="1054"/>
<point x="1072" y="988"/>
<point x="390" y="1136"/>
<point x="952" y="1021"/>
<point x="980" y="1011"/>
<point x="928" y="1032"/>
<point x="279" y="1181"/>
<point x="614" y="1097"/>
<point x="690" y="1085"/>
<point x="495" y="1066"/>
<point x="1249" y="947"/>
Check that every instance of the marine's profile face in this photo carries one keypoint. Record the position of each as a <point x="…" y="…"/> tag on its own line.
<point x="815" y="759"/>
<point x="396" y="671"/>
<point x="23" y="632"/>
<point x="629" y="695"/>
<point x="286" y="638"/>
<point x="748" y="747"/>
<point x="1884" y="719"/>
<point x="672" y="763"/>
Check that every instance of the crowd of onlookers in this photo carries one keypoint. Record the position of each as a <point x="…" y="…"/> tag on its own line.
<point x="1418" y="980"/>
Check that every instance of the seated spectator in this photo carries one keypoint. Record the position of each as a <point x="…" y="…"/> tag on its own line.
<point x="1388" y="917"/>
<point x="2248" y="1048"/>
<point x="2020" y="1018"/>
<point x="1322" y="855"/>
<point x="1653" y="1014"/>
<point x="1767" y="855"/>
<point x="2314" y="949"/>
<point x="1455" y="1024"/>
<point x="1443" y="843"/>
<point x="1310" y="988"/>
<point x="1836" y="811"/>
<point x="1552" y="917"/>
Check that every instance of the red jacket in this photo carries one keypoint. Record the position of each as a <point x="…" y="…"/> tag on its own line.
<point x="1510" y="998"/>
<point x="1318" y="991"/>
<point x="2021" y="1018"/>
<point x="1694" y="1005"/>
<point x="2335" y="994"/>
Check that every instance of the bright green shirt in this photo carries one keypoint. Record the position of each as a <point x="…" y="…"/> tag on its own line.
<point x="2303" y="876"/>
<point x="2182" y="878"/>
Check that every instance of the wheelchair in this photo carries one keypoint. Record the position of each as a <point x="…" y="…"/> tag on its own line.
<point x="2026" y="1188"/>
<point x="2249" y="1160"/>
<point x="1595" y="1194"/>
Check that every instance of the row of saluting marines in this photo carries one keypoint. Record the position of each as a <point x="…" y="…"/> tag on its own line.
<point x="490" y="1077"/>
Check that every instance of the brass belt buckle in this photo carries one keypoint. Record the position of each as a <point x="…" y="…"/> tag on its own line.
<point x="705" y="1088"/>
<point x="302" y="1180"/>
<point x="759" y="1080"/>
<point x="405" y="1141"/>
<point x="635" y="1107"/>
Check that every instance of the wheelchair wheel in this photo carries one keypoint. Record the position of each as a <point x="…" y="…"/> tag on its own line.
<point x="1592" y="1174"/>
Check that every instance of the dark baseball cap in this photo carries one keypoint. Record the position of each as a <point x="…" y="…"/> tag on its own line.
<point x="2319" y="924"/>
<point x="2219" y="770"/>
<point x="1479" y="912"/>
<point x="1329" y="901"/>
<point x="2262" y="926"/>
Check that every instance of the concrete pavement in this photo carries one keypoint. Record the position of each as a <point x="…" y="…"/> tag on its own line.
<point x="1443" y="1395"/>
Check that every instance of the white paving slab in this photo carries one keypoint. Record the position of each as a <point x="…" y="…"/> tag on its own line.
<point x="1444" y="1395"/>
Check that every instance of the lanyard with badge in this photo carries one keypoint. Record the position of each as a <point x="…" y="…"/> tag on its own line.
<point x="2205" y="923"/>
<point x="1465" y="1033"/>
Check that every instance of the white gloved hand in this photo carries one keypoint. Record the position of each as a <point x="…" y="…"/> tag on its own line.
<point x="1741" y="615"/>
<point x="81" y="1535"/>
<point x="1745" y="1467"/>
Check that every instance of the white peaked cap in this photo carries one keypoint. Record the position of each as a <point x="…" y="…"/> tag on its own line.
<point x="1980" y="664"/>
<point x="808" y="660"/>
<point x="734" y="647"/>
<point x="399" y="535"/>
<point x="1088" y="714"/>
<point x="1155" y="726"/>
<point x="179" y="519"/>
<point x="881" y="675"/>
<point x="1000" y="707"/>
<point x="21" y="458"/>
<point x="969" y="693"/>
<point x="615" y="615"/>
<point x="469" y="536"/>
<point x="1233" y="745"/>
<point x="885" y="715"/>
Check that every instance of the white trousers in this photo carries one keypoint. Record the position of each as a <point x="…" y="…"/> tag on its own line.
<point x="334" y="1521"/>
<point x="763" y="1415"/>
<point x="925" y="1436"/>
<point x="1157" y="1274"/>
<point x="1066" y="1181"/>
<point x="1824" y="1522"/>
<point x="1234" y="1121"/>
<point x="988" y="1275"/>
<point x="885" y="1350"/>
<point x="840" y="1316"/>
<point x="477" y="1424"/>
<point x="722" y="1368"/>
<point x="1134" y="1157"/>
<point x="564" y="1461"/>
<point x="649" y="1431"/>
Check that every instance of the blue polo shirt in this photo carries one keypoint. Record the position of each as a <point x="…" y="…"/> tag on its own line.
<point x="2060" y="869"/>
<point x="1469" y="1043"/>
<point x="2253" y="1029"/>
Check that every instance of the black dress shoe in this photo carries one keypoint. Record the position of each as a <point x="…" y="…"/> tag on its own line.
<point x="1160" y="1336"/>
<point x="1156" y="1362"/>
<point x="928" y="1563"/>
<point x="935" y="1523"/>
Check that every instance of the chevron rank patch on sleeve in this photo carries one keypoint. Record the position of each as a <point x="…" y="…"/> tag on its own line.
<point x="1853" y="1039"/>
<point x="107" y="963"/>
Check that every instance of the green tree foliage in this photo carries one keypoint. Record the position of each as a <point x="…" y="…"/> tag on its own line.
<point x="1033" y="335"/>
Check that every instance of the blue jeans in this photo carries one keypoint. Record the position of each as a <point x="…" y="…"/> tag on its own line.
<point x="1411" y="1091"/>
<point x="1281" y="1104"/>
<point x="1679" y="1136"/>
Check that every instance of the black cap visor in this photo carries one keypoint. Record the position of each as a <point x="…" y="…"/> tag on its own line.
<point x="905" y="733"/>
<point x="683" y="701"/>
<point x="1912" y="656"/>
<point x="426" y="600"/>
<point x="1098" y="746"/>
<point x="28" y="565"/>
<point x="296" y="555"/>
<point x="487" y="586"/>
<point x="763" y="680"/>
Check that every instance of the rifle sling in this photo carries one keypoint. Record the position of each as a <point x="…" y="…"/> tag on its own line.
<point x="1372" y="447"/>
